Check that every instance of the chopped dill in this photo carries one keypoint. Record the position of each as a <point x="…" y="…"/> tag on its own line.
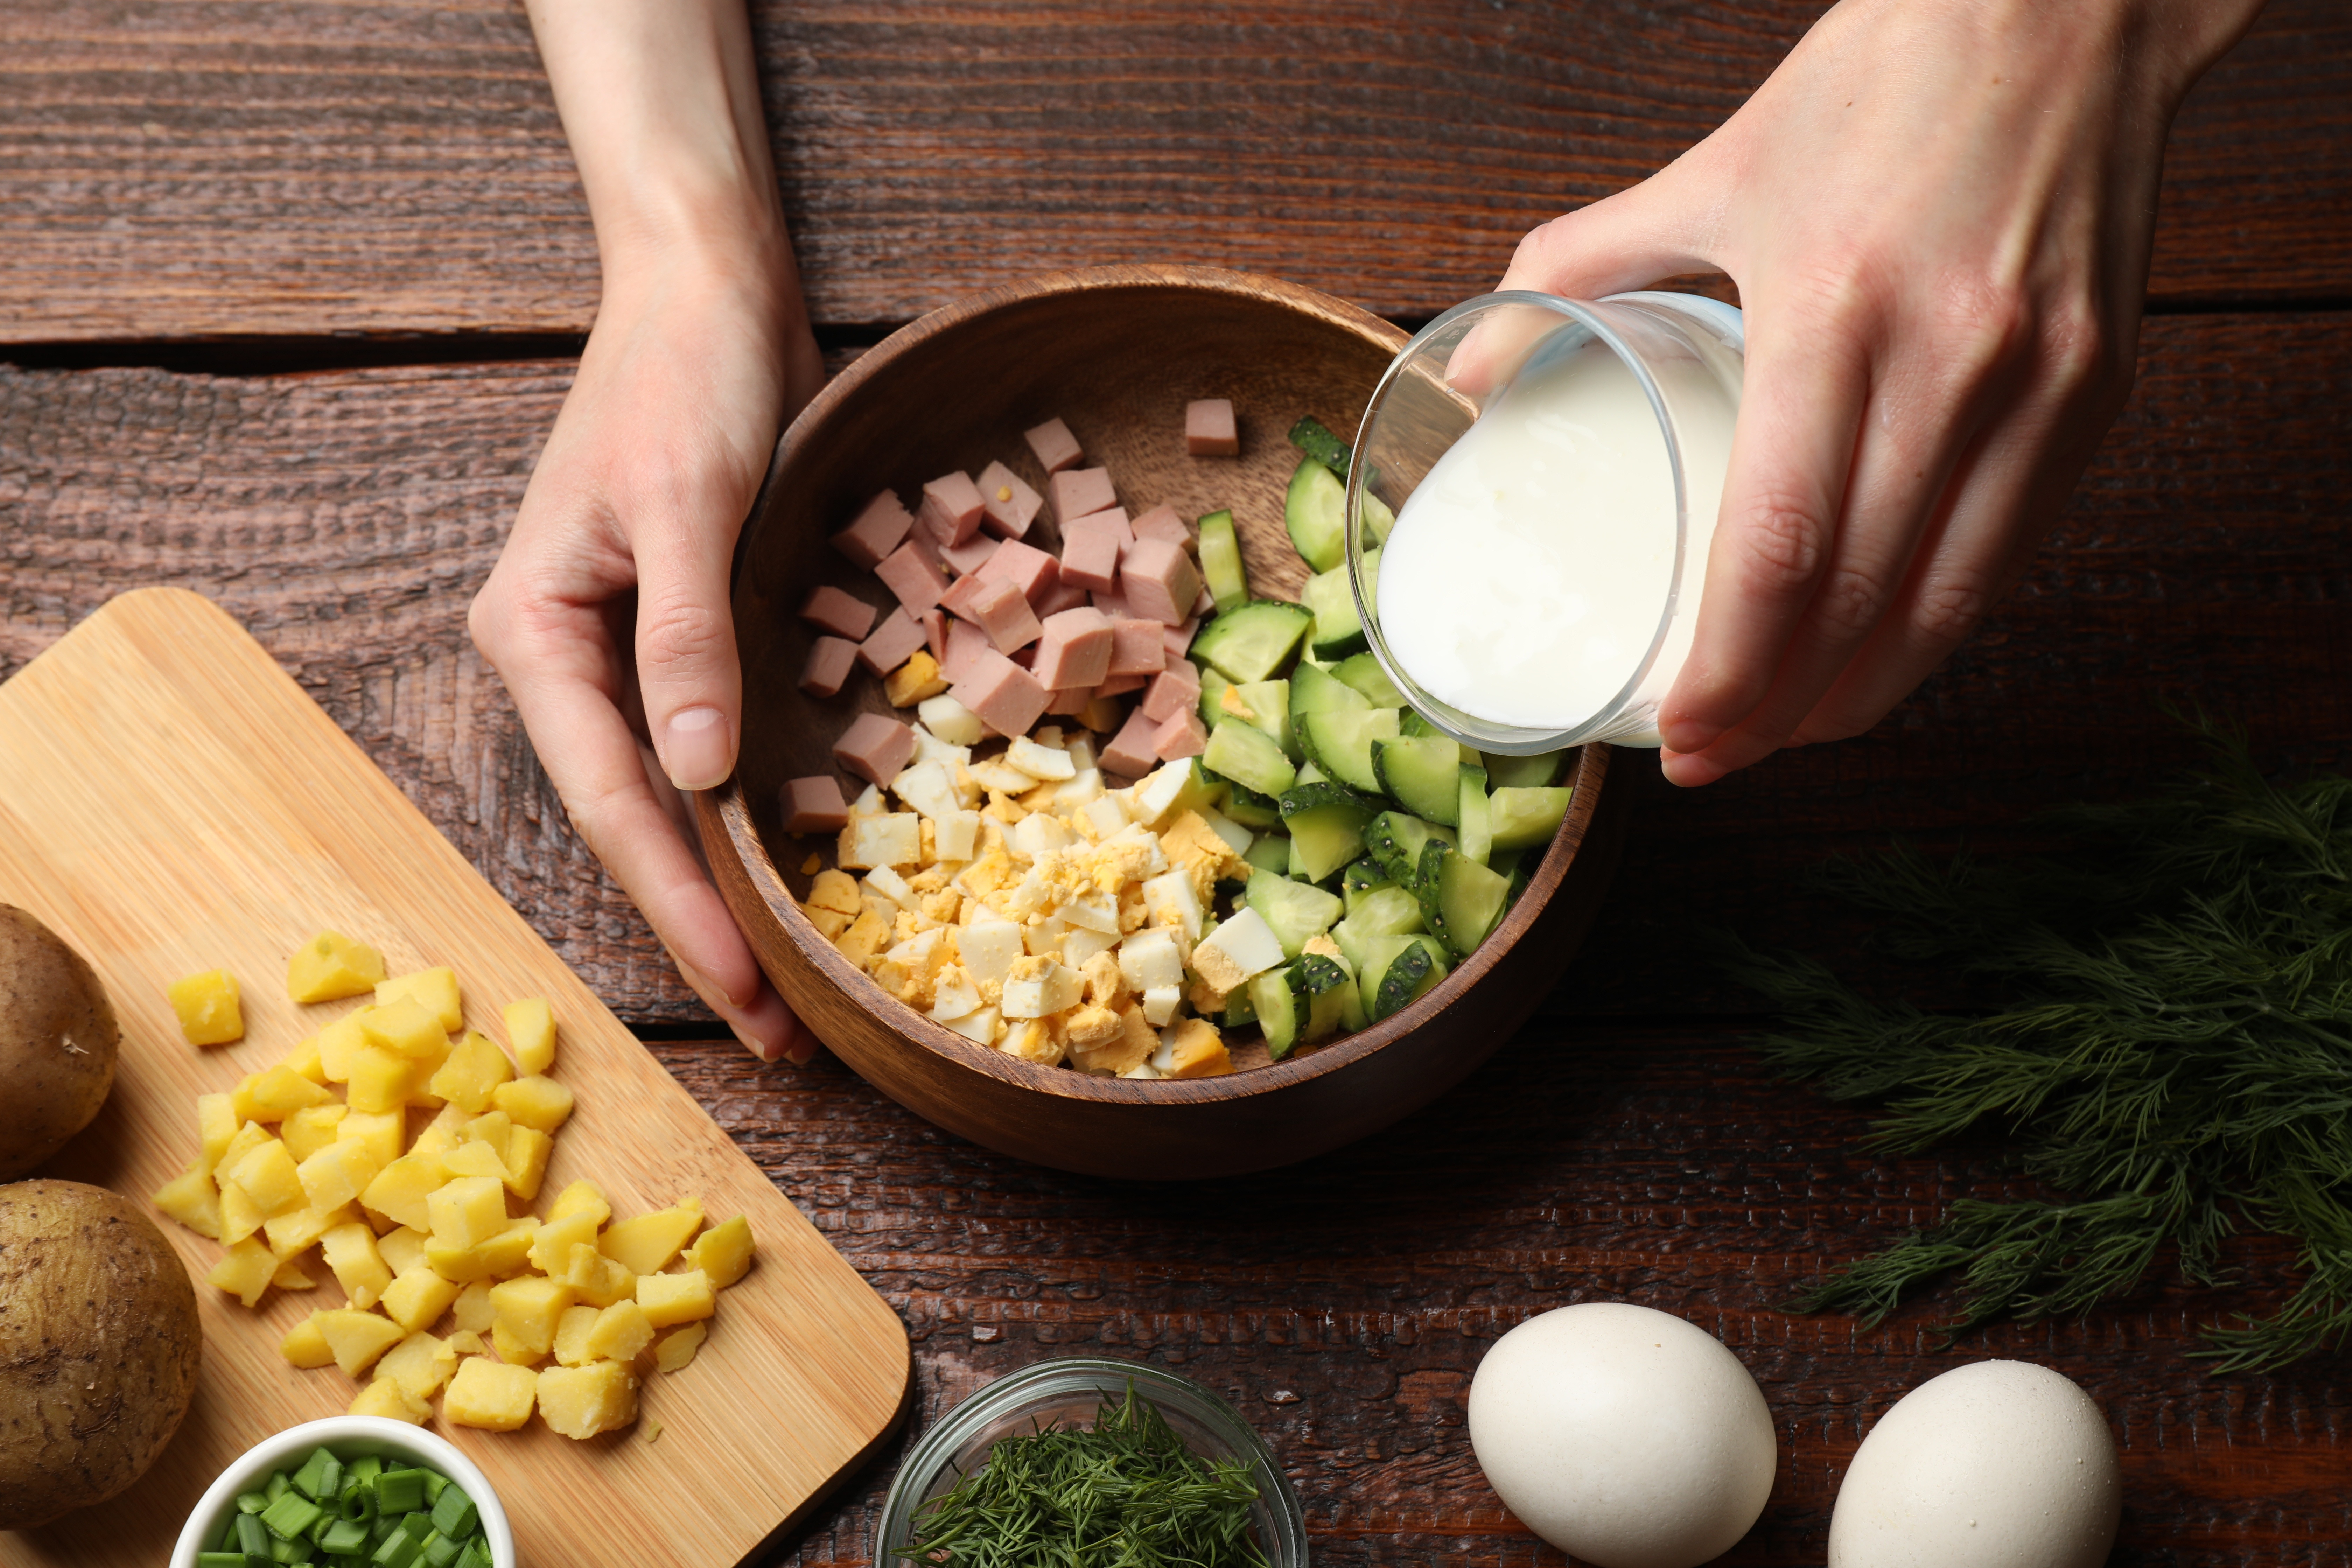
<point x="1124" y="1493"/>
<point x="2172" y="1046"/>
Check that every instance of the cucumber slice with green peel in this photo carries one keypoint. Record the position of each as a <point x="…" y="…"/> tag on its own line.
<point x="1342" y="743"/>
<point x="1253" y="640"/>
<point x="1525" y="772"/>
<point x="1329" y="985"/>
<point x="1314" y="438"/>
<point x="1269" y="853"/>
<point x="1390" y="910"/>
<point x="1470" y="900"/>
<point x="1268" y="703"/>
<point x="1471" y="820"/>
<point x="1310" y="773"/>
<point x="1293" y="911"/>
<point x="1325" y="838"/>
<point x="1212" y="690"/>
<point x="1221" y="562"/>
<point x="1278" y="1010"/>
<point x="1423" y="774"/>
<point x="1314" y="690"/>
<point x="1396" y="971"/>
<point x="1338" y="632"/>
<point x="1315" y="510"/>
<point x="1361" y="878"/>
<point x="1240" y="1012"/>
<point x="1248" y="756"/>
<point x="1258" y="813"/>
<point x="1379" y="520"/>
<point x="1351" y="941"/>
<point x="1302" y="797"/>
<point x="1527" y="819"/>
<point x="1363" y="672"/>
<point x="1398" y="840"/>
<point x="1414" y="724"/>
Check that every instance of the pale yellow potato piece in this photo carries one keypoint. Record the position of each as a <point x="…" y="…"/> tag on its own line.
<point x="723" y="1252"/>
<point x="647" y="1244"/>
<point x="338" y="1174"/>
<point x="357" y="1338"/>
<point x="312" y="1127"/>
<point x="420" y="1364"/>
<point x="402" y="1190"/>
<point x="337" y="1041"/>
<point x="190" y="1198"/>
<point x="488" y="1395"/>
<point x="403" y="1247"/>
<point x="677" y="1349"/>
<point x="383" y="1398"/>
<point x="551" y="1249"/>
<point x="581" y="1197"/>
<point x="434" y="989"/>
<point x="539" y="1102"/>
<point x="466" y="1341"/>
<point x="303" y="1062"/>
<point x="405" y="1028"/>
<point x="379" y="1079"/>
<point x="666" y="1299"/>
<point x="305" y="1347"/>
<point x="621" y="1331"/>
<point x="359" y="1267"/>
<point x="291" y="1277"/>
<point x="472" y="1309"/>
<point x="529" y="1309"/>
<point x="571" y="1331"/>
<point x="380" y="1133"/>
<point x="493" y="1128"/>
<point x="298" y="1230"/>
<point x="466" y="1211"/>
<point x="505" y="1254"/>
<point x="474" y="1069"/>
<point x="240" y="1216"/>
<point x="528" y="1151"/>
<point x="599" y="1280"/>
<point x="248" y="1136"/>
<point x="268" y="1176"/>
<point x="417" y="1298"/>
<point x="331" y="966"/>
<point x="512" y="1351"/>
<point x="470" y="1159"/>
<point x="275" y="1093"/>
<point x="582" y="1401"/>
<point x="208" y="1007"/>
<point x="245" y="1271"/>
<point x="217" y="1125"/>
<point x="530" y="1032"/>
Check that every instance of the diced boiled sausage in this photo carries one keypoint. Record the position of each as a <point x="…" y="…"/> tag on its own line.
<point x="1176" y="687"/>
<point x="954" y="507"/>
<point x="966" y="643"/>
<point x="935" y="632"/>
<point x="879" y="530"/>
<point x="1074" y="492"/>
<point x="1008" y="501"/>
<point x="1060" y="596"/>
<point x="1182" y="735"/>
<point x="893" y="641"/>
<point x="1162" y="522"/>
<point x="1121" y="684"/>
<point x="970" y="555"/>
<point x="1067" y="704"/>
<point x="815" y="805"/>
<point x="843" y="615"/>
<point x="1160" y="582"/>
<point x="1137" y="648"/>
<point x="1114" y="517"/>
<point x="830" y="660"/>
<point x="1091" y="547"/>
<point x="1209" y="430"/>
<point x="1055" y="448"/>
<point x="1001" y="610"/>
<point x="876" y="749"/>
<point x="1003" y="696"/>
<point x="1133" y="751"/>
<point x="1074" y="651"/>
<point x="1179" y="639"/>
<point x="913" y="572"/>
<point x="1025" y="566"/>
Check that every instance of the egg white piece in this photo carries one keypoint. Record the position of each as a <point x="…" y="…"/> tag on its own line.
<point x="1625" y="1436"/>
<point x="2000" y="1463"/>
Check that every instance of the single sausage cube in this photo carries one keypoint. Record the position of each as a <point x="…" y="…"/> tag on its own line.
<point x="1060" y="596"/>
<point x="1137" y="648"/>
<point x="892" y="641"/>
<point x="1001" y="694"/>
<point x="1174" y="688"/>
<point x="1000" y="610"/>
<point x="876" y="749"/>
<point x="1074" y="651"/>
<point x="1160" y="582"/>
<point x="830" y="660"/>
<point x="913" y="571"/>
<point x="1121" y="684"/>
<point x="814" y="804"/>
<point x="1209" y="429"/>
<point x="1162" y="522"/>
<point x="951" y="505"/>
<point x="1055" y="448"/>
<point x="1134" y="751"/>
<point x="1179" y="639"/>
<point x="1068" y="704"/>
<point x="1074" y="492"/>
<point x="1091" y="547"/>
<point x="843" y="615"/>
<point x="970" y="555"/>
<point x="1025" y="566"/>
<point x="1113" y="602"/>
<point x="879" y="529"/>
<point x="1009" y="506"/>
<point x="1115" y="517"/>
<point x="1181" y="736"/>
<point x="935" y="632"/>
<point x="966" y="643"/>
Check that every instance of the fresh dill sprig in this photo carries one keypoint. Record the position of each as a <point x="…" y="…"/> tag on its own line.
<point x="1124" y="1493"/>
<point x="2172" y="1045"/>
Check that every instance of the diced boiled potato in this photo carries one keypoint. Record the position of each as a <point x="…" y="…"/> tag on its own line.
<point x="420" y="1364"/>
<point x="298" y="1230"/>
<point x="571" y="1331"/>
<point x="250" y="1135"/>
<point x="275" y="1093"/>
<point x="433" y="989"/>
<point x="208" y="1007"/>
<point x="383" y="1399"/>
<point x="677" y="1349"/>
<point x="405" y="1027"/>
<point x="190" y="1198"/>
<point x="528" y="1151"/>
<point x="551" y="1249"/>
<point x="647" y="1244"/>
<point x="472" y="1309"/>
<point x="530" y="1033"/>
<point x="303" y="1062"/>
<point x="305" y="1347"/>
<point x="512" y="1351"/>
<point x="245" y="1272"/>
<point x="620" y="1333"/>
<point x="380" y="1080"/>
<point x="535" y="1102"/>
<point x="530" y="1308"/>
<point x="490" y="1395"/>
<point x="216" y="1124"/>
<point x="240" y="1217"/>
<point x="468" y="1158"/>
<point x="476" y="1066"/>
<point x="312" y="1129"/>
<point x="600" y="1281"/>
<point x="402" y="1247"/>
<point x="581" y="1402"/>
<point x="357" y="1338"/>
<point x="359" y="1267"/>
<point x="467" y="1341"/>
<point x="336" y="1043"/>
<point x="493" y="1128"/>
<point x="401" y="1190"/>
<point x="581" y="1197"/>
<point x="416" y="1298"/>
<point x="268" y="1176"/>
<point x="505" y="1254"/>
<point x="468" y="1210"/>
<point x="666" y="1299"/>
<point x="723" y="1252"/>
<point x="331" y="966"/>
<point x="337" y="1173"/>
<point x="379" y="1132"/>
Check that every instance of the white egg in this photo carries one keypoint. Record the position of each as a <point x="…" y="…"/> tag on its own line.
<point x="1627" y="1437"/>
<point x="2001" y="1464"/>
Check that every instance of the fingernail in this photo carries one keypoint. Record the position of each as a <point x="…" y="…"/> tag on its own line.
<point x="697" y="750"/>
<point x="801" y="1058"/>
<point x="758" y="1047"/>
<point x="1689" y="735"/>
<point x="1686" y="772"/>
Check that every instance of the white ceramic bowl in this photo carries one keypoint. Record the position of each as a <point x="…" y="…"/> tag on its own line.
<point x="351" y="1436"/>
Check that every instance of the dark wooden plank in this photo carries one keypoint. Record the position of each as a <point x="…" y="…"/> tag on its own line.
<point x="177" y="168"/>
<point x="346" y="518"/>
<point x="1344" y="1303"/>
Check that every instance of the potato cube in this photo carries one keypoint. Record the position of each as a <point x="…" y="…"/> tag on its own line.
<point x="491" y="1396"/>
<point x="528" y="1152"/>
<point x="303" y="1062"/>
<point x="291" y="1277"/>
<point x="420" y="1364"/>
<point x="207" y="1006"/>
<point x="417" y="1298"/>
<point x="475" y="1068"/>
<point x="538" y="1102"/>
<point x="666" y="1299"/>
<point x="403" y="1190"/>
<point x="581" y="1402"/>
<point x="268" y="1176"/>
<point x="379" y="1079"/>
<point x="404" y="1028"/>
<point x="304" y="1346"/>
<point x="434" y="989"/>
<point x="216" y="1124"/>
<point x="723" y="1252"/>
<point x="477" y="1160"/>
<point x="298" y="1230"/>
<point x="443" y="1133"/>
<point x="359" y="1267"/>
<point x="331" y="966"/>
<point x="336" y="1043"/>
<point x="239" y="1216"/>
<point x="506" y="1253"/>
<point x="552" y="1247"/>
<point x="467" y="1341"/>
<point x="472" y="1309"/>
<point x="647" y="1244"/>
<point x="357" y="1338"/>
<point x="245" y="1272"/>
<point x="579" y="1196"/>
<point x="190" y="1198"/>
<point x="600" y="1281"/>
<point x="512" y="1351"/>
<point x="312" y="1129"/>
<point x="403" y="1247"/>
<point x="530" y="1033"/>
<point x="381" y="1132"/>
<point x="337" y="1175"/>
<point x="275" y="1093"/>
<point x="468" y="1210"/>
<point x="529" y="1309"/>
<point x="677" y="1349"/>
<point x="384" y="1400"/>
<point x="621" y="1331"/>
<point x="571" y="1331"/>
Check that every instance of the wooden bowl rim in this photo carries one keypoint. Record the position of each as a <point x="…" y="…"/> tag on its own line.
<point x="723" y="816"/>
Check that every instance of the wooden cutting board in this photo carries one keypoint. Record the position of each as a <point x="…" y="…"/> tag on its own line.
<point x="170" y="801"/>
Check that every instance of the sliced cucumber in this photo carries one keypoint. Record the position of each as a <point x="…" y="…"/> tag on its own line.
<point x="1470" y="900"/>
<point x="1329" y="985"/>
<point x="1279" y="1009"/>
<point x="1342" y="743"/>
<point x="1221" y="562"/>
<point x="1250" y="641"/>
<point x="1303" y="797"/>
<point x="1269" y="853"/>
<point x="1398" y="840"/>
<point x="1471" y="820"/>
<point x="1268" y="703"/>
<point x="1212" y="692"/>
<point x="1338" y="632"/>
<point x="1525" y="772"/>
<point x="1314" y="690"/>
<point x="1256" y="812"/>
<point x="1248" y="756"/>
<point x="1293" y="911"/>
<point x="1396" y="970"/>
<point x="1362" y="878"/>
<point x="1379" y="520"/>
<point x="1363" y="672"/>
<point x="1315" y="510"/>
<point x="1310" y="773"/>
<point x="1240" y="1010"/>
<point x="1527" y="819"/>
<point x="1423" y="774"/>
<point x="1389" y="910"/>
<point x="1314" y="438"/>
<point x="1323" y="839"/>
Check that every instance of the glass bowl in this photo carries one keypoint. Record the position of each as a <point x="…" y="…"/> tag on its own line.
<point x="1068" y="1390"/>
<point x="1685" y="354"/>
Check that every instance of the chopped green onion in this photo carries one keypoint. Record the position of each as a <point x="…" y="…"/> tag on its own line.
<point x="395" y="1550"/>
<point x="439" y="1551"/>
<point x="436" y="1483"/>
<point x="399" y="1491"/>
<point x="252" y="1535"/>
<point x="220" y="1560"/>
<point x="278" y="1486"/>
<point x="455" y="1514"/>
<point x="344" y="1538"/>
<point x="476" y="1555"/>
<point x="365" y="1468"/>
<point x="290" y="1515"/>
<point x="252" y="1502"/>
<point x="310" y="1479"/>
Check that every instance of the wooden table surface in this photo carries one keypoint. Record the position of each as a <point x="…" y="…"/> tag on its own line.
<point x="287" y="293"/>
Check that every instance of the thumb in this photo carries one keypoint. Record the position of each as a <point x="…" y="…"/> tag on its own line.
<point x="687" y="671"/>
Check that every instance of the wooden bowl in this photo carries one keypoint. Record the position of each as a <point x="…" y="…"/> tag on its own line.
<point x="1117" y="352"/>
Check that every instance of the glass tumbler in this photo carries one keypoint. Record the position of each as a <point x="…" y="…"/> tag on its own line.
<point x="1685" y="354"/>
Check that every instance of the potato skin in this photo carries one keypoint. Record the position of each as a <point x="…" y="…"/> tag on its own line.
<point x="98" y="1347"/>
<point x="58" y="1040"/>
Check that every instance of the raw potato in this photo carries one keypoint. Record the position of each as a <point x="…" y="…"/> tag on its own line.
<point x="98" y="1347"/>
<point x="58" y="1042"/>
